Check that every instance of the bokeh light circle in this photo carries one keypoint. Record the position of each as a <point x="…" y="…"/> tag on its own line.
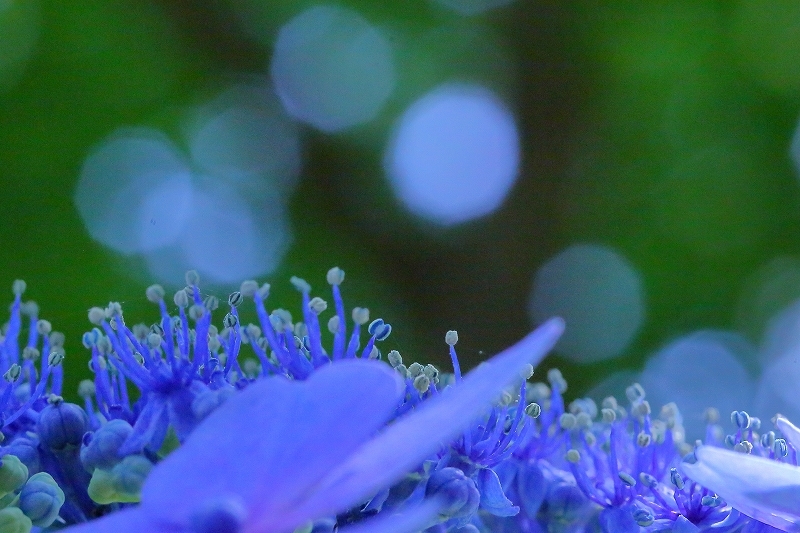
<point x="700" y="370"/>
<point x="245" y="136"/>
<point x="331" y="68"/>
<point x="134" y="191"/>
<point x="777" y="388"/>
<point x="227" y="238"/>
<point x="599" y="294"/>
<point x="765" y="296"/>
<point x="454" y="154"/>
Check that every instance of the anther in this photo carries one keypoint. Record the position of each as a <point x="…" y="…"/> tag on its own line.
<point x="583" y="420"/>
<point x="556" y="379"/>
<point x="333" y="324"/>
<point x="573" y="456"/>
<point x="248" y="288"/>
<point x="743" y="447"/>
<point x="57" y="338"/>
<point x="379" y="329"/>
<point x="154" y="293"/>
<point x="415" y="369"/>
<point x="235" y="299"/>
<point x="211" y="303"/>
<point x="300" y="284"/>
<point x="43" y="327"/>
<point x="12" y="374"/>
<point x="29" y="353"/>
<point x="394" y="358"/>
<point x="196" y="312"/>
<point x="635" y="393"/>
<point x="192" y="278"/>
<point x="676" y="478"/>
<point x="740" y="419"/>
<point x="422" y="383"/>
<point x="230" y="320"/>
<point x="96" y="316"/>
<point x="567" y="421"/>
<point x="648" y="480"/>
<point x="18" y="287"/>
<point x="533" y="410"/>
<point x="86" y="388"/>
<point x="432" y="372"/>
<point x="643" y="517"/>
<point x="780" y="448"/>
<point x="335" y="276"/>
<point x="768" y="439"/>
<point x="317" y="305"/>
<point x="360" y="315"/>
<point x="609" y="402"/>
<point x="451" y="337"/>
<point x="181" y="299"/>
<point x="263" y="291"/>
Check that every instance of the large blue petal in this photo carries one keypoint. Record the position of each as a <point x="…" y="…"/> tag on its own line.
<point x="267" y="445"/>
<point x="789" y="430"/>
<point x="493" y="499"/>
<point x="406" y="443"/>
<point x="763" y="489"/>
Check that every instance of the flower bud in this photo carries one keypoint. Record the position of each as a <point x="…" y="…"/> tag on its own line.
<point x="61" y="424"/>
<point x="121" y="484"/>
<point x="41" y="499"/>
<point x="459" y="494"/>
<point x="13" y="474"/>
<point x="26" y="450"/>
<point x="13" y="520"/>
<point x="99" y="449"/>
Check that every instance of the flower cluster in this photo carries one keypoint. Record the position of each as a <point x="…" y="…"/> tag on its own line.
<point x="282" y="426"/>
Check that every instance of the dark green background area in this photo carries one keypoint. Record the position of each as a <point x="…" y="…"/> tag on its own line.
<point x="660" y="129"/>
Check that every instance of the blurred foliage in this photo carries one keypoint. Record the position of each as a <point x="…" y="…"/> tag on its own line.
<point x="660" y="129"/>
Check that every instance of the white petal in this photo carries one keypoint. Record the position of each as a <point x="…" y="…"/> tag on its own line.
<point x="761" y="488"/>
<point x="789" y="430"/>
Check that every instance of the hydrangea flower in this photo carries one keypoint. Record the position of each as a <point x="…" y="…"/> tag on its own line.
<point x="280" y="453"/>
<point x="308" y="438"/>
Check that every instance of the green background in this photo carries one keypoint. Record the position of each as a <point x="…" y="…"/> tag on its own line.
<point x="661" y="129"/>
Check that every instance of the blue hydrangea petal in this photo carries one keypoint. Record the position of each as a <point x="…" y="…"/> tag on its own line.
<point x="152" y="422"/>
<point x="758" y="487"/>
<point x="532" y="488"/>
<point x="179" y="409"/>
<point x="493" y="499"/>
<point x="616" y="520"/>
<point x="414" y="438"/>
<point x="273" y="441"/>
<point x="789" y="430"/>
